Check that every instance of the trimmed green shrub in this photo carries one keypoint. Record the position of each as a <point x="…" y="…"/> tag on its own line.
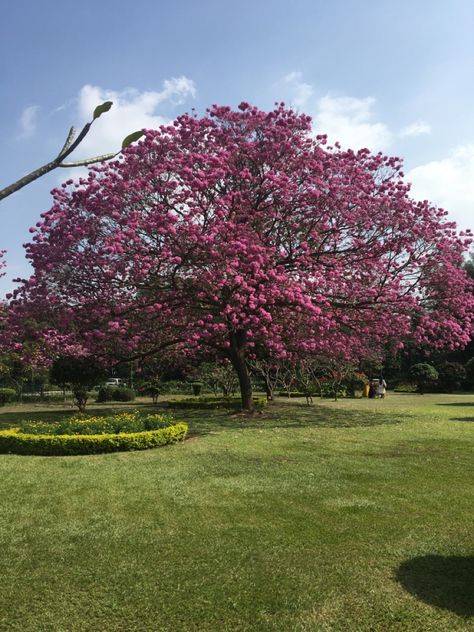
<point x="124" y="394"/>
<point x="115" y="394"/>
<point x="197" y="388"/>
<point x="16" y="442"/>
<point x="291" y="394"/>
<point x="451" y="377"/>
<point x="423" y="374"/>
<point x="105" y="394"/>
<point x="210" y="402"/>
<point x="7" y="395"/>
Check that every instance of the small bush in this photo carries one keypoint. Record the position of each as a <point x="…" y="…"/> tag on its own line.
<point x="105" y="394"/>
<point x="115" y="394"/>
<point x="197" y="388"/>
<point x="16" y="442"/>
<point x="451" y="377"/>
<point x="124" y="394"/>
<point x="423" y="374"/>
<point x="7" y="395"/>
<point x="210" y="402"/>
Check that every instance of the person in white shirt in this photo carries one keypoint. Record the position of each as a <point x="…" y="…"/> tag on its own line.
<point x="381" y="388"/>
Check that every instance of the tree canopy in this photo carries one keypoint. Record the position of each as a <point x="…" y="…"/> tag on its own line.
<point x="241" y="233"/>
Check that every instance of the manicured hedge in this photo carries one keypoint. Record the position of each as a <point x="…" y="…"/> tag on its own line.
<point x="13" y="441"/>
<point x="209" y="403"/>
<point x="291" y="394"/>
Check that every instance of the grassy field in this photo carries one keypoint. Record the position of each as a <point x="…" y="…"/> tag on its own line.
<point x="348" y="516"/>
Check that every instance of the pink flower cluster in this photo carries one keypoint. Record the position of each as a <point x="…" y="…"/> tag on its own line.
<point x="241" y="232"/>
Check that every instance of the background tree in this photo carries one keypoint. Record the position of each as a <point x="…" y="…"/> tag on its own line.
<point x="219" y="376"/>
<point x="14" y="371"/>
<point x="423" y="375"/>
<point x="269" y="371"/>
<point x="81" y="374"/>
<point x="239" y="232"/>
<point x="470" y="372"/>
<point x="451" y="376"/>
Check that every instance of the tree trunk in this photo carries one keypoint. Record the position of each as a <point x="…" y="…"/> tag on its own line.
<point x="80" y="396"/>
<point x="237" y="358"/>
<point x="268" y="390"/>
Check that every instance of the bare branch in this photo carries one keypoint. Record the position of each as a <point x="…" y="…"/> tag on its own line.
<point x="69" y="146"/>
<point x="88" y="161"/>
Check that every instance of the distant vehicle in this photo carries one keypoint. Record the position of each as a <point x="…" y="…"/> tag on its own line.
<point x="115" y="381"/>
<point x="112" y="381"/>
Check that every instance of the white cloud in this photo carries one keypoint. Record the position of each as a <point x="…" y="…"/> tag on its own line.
<point x="448" y="183"/>
<point x="416" y="129"/>
<point x="350" y="121"/>
<point x="131" y="111"/>
<point x="301" y="91"/>
<point x="28" y="121"/>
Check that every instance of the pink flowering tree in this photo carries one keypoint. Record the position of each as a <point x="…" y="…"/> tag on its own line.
<point x="240" y="234"/>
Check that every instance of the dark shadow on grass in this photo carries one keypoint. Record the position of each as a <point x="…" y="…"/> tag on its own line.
<point x="456" y="404"/>
<point x="279" y="414"/>
<point x="462" y="419"/>
<point x="444" y="582"/>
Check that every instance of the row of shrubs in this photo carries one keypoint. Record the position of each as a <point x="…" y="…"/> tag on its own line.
<point x="322" y="393"/>
<point x="16" y="442"/>
<point x="212" y="402"/>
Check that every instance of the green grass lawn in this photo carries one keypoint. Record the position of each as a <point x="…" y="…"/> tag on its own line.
<point x="352" y="516"/>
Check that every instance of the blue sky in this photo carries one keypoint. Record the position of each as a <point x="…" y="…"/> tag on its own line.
<point x="391" y="76"/>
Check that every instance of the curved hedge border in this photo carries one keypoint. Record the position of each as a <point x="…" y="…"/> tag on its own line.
<point x="14" y="442"/>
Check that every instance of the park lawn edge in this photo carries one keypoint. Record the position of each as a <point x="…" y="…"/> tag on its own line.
<point x="12" y="441"/>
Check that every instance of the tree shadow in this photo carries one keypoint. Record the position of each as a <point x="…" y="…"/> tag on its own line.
<point x="444" y="582"/>
<point x="456" y="404"/>
<point x="462" y="419"/>
<point x="279" y="414"/>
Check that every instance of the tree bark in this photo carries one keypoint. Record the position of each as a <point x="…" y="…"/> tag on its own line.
<point x="237" y="358"/>
<point x="268" y="390"/>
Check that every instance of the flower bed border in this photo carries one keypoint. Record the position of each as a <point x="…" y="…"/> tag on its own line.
<point x="12" y="441"/>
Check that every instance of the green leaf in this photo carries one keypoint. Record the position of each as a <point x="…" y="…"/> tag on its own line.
<point x="131" y="138"/>
<point x="103" y="107"/>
